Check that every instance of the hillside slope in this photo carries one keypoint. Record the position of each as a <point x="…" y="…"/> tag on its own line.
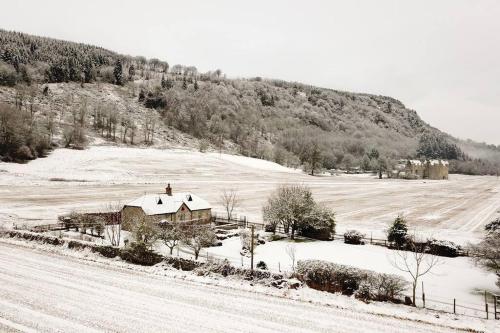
<point x="70" y="94"/>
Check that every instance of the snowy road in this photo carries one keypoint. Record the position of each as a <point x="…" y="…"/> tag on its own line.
<point x="41" y="292"/>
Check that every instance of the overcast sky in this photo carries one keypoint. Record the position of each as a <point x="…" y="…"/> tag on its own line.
<point x="439" y="57"/>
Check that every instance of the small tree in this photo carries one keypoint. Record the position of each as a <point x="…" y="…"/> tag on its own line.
<point x="145" y="231"/>
<point x="99" y="226"/>
<point x="289" y="205"/>
<point x="171" y="234"/>
<point x="229" y="200"/>
<point x="163" y="82"/>
<point x="414" y="261"/>
<point x="487" y="252"/>
<point x="197" y="236"/>
<point x="398" y="231"/>
<point x="291" y="250"/>
<point x="114" y="230"/>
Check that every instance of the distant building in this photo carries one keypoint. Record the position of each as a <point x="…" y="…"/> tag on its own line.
<point x="426" y="169"/>
<point x="167" y="207"/>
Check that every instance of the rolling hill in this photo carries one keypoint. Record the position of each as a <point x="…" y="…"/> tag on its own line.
<point x="59" y="93"/>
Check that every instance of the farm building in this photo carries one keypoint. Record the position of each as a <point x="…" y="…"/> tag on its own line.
<point x="166" y="208"/>
<point x="427" y="169"/>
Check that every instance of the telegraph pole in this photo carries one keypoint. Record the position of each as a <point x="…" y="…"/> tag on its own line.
<point x="251" y="250"/>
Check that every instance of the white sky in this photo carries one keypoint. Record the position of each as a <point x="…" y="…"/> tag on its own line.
<point x="439" y="57"/>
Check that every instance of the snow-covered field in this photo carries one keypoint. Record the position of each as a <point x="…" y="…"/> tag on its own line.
<point x="44" y="292"/>
<point x="40" y="190"/>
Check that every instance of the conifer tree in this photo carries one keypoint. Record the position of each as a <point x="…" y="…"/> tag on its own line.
<point x="118" y="73"/>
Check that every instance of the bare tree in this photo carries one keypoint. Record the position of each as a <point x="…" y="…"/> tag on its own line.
<point x="171" y="234"/>
<point x="229" y="199"/>
<point x="291" y="250"/>
<point x="289" y="205"/>
<point x="415" y="262"/>
<point x="145" y="231"/>
<point x="197" y="236"/>
<point x="114" y="230"/>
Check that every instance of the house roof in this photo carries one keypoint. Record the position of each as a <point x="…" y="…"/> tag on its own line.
<point x="154" y="204"/>
<point x="437" y="162"/>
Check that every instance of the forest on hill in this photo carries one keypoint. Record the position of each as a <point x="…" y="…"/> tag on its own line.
<point x="58" y="93"/>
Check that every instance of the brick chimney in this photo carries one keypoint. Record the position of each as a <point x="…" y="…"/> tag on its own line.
<point x="168" y="190"/>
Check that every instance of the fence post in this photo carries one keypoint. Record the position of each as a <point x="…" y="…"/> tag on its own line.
<point x="371" y="238"/>
<point x="279" y="267"/>
<point x="454" y="306"/>
<point x="486" y="304"/>
<point x="423" y="294"/>
<point x="495" y="301"/>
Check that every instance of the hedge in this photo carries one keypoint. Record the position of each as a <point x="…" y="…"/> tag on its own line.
<point x="364" y="284"/>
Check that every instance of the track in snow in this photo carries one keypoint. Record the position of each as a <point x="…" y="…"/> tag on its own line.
<point x="46" y="293"/>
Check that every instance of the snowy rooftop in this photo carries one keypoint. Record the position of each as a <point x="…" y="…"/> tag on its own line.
<point x="437" y="162"/>
<point x="153" y="204"/>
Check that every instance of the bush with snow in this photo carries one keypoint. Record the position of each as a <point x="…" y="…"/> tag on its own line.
<point x="261" y="265"/>
<point x="443" y="248"/>
<point x="365" y="284"/>
<point x="138" y="253"/>
<point x="354" y="237"/>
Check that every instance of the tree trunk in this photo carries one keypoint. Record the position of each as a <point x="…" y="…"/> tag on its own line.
<point x="171" y="250"/>
<point x="196" y="253"/>
<point x="292" y="236"/>
<point x="414" y="293"/>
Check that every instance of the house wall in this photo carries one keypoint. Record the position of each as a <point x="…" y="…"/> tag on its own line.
<point x="438" y="171"/>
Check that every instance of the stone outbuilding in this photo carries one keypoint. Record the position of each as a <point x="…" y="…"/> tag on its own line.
<point x="427" y="169"/>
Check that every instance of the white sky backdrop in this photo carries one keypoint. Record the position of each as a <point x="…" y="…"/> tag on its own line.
<point x="439" y="57"/>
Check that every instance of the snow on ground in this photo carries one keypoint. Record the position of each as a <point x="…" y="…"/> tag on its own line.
<point x="45" y="292"/>
<point x="38" y="191"/>
<point x="453" y="278"/>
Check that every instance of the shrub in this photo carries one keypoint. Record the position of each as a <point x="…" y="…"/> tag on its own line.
<point x="329" y="277"/>
<point x="182" y="264"/>
<point x="261" y="265"/>
<point x="107" y="251"/>
<point x="443" y="248"/>
<point x="138" y="253"/>
<point x="354" y="237"/>
<point x="270" y="227"/>
<point x="8" y="75"/>
<point x="365" y="284"/>
<point x="24" y="153"/>
<point x="381" y="287"/>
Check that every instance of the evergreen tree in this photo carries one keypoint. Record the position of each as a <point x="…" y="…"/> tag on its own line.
<point x="398" y="231"/>
<point x="196" y="85"/>
<point x="118" y="73"/>
<point x="184" y="83"/>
